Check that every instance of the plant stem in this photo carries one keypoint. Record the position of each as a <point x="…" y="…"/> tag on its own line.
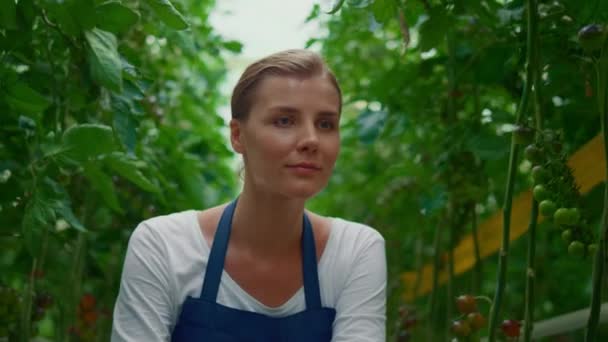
<point x="26" y="309"/>
<point x="531" y="269"/>
<point x="598" y="266"/>
<point x="513" y="157"/>
<point x="452" y="206"/>
<point x="530" y="273"/>
<point x="450" y="287"/>
<point x="478" y="271"/>
<point x="436" y="265"/>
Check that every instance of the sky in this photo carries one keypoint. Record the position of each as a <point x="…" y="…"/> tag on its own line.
<point x="263" y="27"/>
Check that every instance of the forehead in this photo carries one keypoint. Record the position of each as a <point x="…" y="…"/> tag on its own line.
<point x="316" y="92"/>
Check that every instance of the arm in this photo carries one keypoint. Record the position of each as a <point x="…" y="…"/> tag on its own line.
<point x="361" y="307"/>
<point x="144" y="309"/>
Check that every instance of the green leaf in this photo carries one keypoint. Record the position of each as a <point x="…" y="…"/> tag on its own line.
<point x="38" y="215"/>
<point x="114" y="17"/>
<point x="336" y="7"/>
<point x="124" y="123"/>
<point x="384" y="10"/>
<point x="25" y="99"/>
<point x="370" y="125"/>
<point x="488" y="146"/>
<point x="102" y="183"/>
<point x="508" y="16"/>
<point x="61" y="14"/>
<point x="83" y="12"/>
<point x="61" y="202"/>
<point x="127" y="168"/>
<point x="8" y="14"/>
<point x="104" y="60"/>
<point x="26" y="12"/>
<point x="168" y="14"/>
<point x="433" y="30"/>
<point x="233" y="46"/>
<point x="314" y="13"/>
<point x="88" y="140"/>
<point x="66" y="212"/>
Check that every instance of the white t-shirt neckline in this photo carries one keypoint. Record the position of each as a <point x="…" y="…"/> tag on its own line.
<point x="231" y="283"/>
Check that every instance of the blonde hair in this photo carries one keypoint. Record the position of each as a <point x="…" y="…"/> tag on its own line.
<point x="295" y="63"/>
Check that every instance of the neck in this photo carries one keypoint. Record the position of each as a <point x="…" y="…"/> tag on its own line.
<point x="267" y="224"/>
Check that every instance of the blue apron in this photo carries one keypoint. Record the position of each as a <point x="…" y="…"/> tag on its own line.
<point x="204" y="320"/>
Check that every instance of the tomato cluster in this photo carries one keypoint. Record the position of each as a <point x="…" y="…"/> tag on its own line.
<point x="470" y="320"/>
<point x="556" y="191"/>
<point x="9" y="311"/>
<point x="88" y="315"/>
<point x="407" y="321"/>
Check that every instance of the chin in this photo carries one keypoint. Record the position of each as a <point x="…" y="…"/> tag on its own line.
<point x="302" y="192"/>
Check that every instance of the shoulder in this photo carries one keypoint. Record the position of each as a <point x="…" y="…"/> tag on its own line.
<point x="351" y="243"/>
<point x="163" y="230"/>
<point x="355" y="233"/>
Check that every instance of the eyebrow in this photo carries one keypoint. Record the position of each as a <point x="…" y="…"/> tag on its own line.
<point x="291" y="110"/>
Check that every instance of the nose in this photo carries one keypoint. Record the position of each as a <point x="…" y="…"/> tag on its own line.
<point x="309" y="138"/>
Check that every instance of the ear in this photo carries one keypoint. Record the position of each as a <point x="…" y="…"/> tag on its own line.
<point x="236" y="136"/>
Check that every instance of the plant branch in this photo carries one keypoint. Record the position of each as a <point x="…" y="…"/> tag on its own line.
<point x="513" y="157"/>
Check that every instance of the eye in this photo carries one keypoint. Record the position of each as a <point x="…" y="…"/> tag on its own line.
<point x="327" y="124"/>
<point x="283" y="121"/>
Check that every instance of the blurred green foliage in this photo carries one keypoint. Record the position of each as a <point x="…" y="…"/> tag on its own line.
<point x="427" y="129"/>
<point x="109" y="116"/>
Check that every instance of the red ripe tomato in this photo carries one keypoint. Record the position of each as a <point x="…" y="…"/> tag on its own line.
<point x="511" y="327"/>
<point x="476" y="320"/>
<point x="461" y="328"/>
<point x="90" y="317"/>
<point x="466" y="304"/>
<point x="87" y="302"/>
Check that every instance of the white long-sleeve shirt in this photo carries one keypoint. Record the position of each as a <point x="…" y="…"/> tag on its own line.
<point x="166" y="261"/>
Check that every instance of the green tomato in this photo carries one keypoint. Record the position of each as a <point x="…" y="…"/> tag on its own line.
<point x="562" y="216"/>
<point x="576" y="248"/>
<point x="539" y="174"/>
<point x="567" y="235"/>
<point x="547" y="208"/>
<point x="592" y="37"/>
<point x="523" y="135"/>
<point x="574" y="215"/>
<point x="540" y="193"/>
<point x="533" y="154"/>
<point x="592" y="248"/>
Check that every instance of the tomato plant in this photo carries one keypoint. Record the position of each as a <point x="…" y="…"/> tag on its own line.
<point x="511" y="328"/>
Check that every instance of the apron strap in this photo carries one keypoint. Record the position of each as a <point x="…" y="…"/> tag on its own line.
<point x="215" y="263"/>
<point x="309" y="267"/>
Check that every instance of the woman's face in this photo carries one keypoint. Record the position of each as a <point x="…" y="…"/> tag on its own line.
<point x="291" y="138"/>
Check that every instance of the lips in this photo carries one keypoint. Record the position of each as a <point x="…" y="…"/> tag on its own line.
<point x="305" y="165"/>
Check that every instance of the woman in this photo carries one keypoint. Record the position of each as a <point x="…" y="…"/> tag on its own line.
<point x="262" y="268"/>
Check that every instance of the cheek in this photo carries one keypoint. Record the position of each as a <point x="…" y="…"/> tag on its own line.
<point x="270" y="146"/>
